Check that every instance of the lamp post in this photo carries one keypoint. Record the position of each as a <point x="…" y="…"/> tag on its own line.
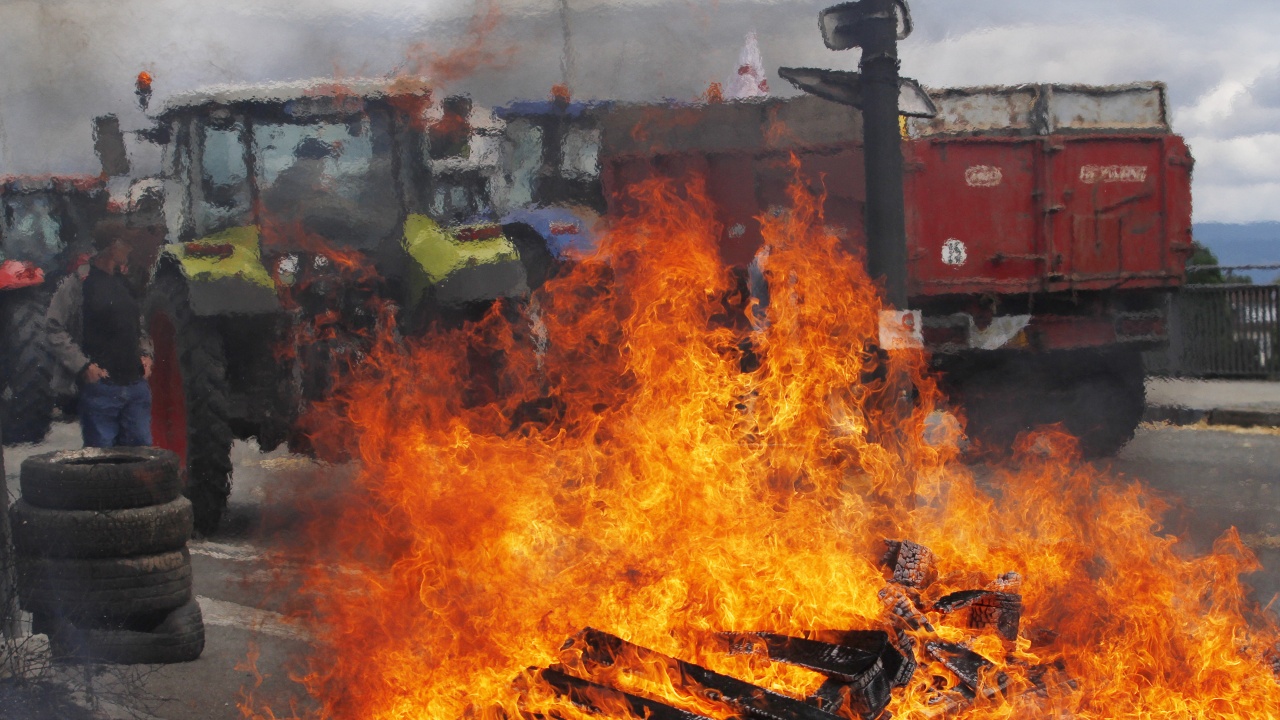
<point x="876" y="26"/>
<point x="886" y="222"/>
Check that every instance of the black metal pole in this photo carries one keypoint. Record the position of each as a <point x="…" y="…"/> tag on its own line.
<point x="886" y="223"/>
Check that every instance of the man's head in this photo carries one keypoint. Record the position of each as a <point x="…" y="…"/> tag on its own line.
<point x="111" y="248"/>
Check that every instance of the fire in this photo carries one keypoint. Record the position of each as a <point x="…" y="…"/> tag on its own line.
<point x="599" y="458"/>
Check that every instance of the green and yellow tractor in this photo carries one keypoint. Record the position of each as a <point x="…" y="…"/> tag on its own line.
<point x="299" y="218"/>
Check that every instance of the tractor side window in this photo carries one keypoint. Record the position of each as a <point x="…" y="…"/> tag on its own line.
<point x="522" y="156"/>
<point x="581" y="154"/>
<point x="32" y="230"/>
<point x="224" y="179"/>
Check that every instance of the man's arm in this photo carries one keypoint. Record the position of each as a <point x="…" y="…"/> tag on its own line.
<point x="62" y="309"/>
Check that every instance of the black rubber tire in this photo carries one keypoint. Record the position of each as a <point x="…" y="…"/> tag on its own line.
<point x="175" y="638"/>
<point x="203" y="366"/>
<point x="85" y="591"/>
<point x="1098" y="395"/>
<point x="538" y="260"/>
<point x="101" y="478"/>
<point x="1103" y="407"/>
<point x="40" y="532"/>
<point x="27" y="365"/>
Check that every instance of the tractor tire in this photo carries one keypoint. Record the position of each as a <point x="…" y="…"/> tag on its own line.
<point x="116" y="478"/>
<point x="177" y="637"/>
<point x="86" y="591"/>
<point x="27" y="365"/>
<point x="39" y="532"/>
<point x="536" y="256"/>
<point x="189" y="397"/>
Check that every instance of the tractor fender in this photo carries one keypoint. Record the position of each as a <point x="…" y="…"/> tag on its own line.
<point x="224" y="273"/>
<point x="458" y="269"/>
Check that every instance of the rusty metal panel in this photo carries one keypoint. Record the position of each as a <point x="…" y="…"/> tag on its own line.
<point x="1047" y="109"/>
<point x="1109" y="216"/>
<point x="808" y="121"/>
<point x="740" y="126"/>
<point x="974" y="222"/>
<point x="1002" y="110"/>
<point x="1139" y="107"/>
<point x="660" y="128"/>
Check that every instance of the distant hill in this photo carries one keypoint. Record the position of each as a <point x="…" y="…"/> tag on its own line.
<point x="1243" y="244"/>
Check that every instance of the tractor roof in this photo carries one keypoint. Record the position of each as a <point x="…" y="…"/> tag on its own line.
<point x="279" y="93"/>
<point x="61" y="184"/>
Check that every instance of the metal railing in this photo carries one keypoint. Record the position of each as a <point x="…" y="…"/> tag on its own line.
<point x="1229" y="331"/>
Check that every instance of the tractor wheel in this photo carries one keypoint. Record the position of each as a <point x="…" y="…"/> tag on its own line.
<point x="27" y="364"/>
<point x="189" y="397"/>
<point x="538" y="260"/>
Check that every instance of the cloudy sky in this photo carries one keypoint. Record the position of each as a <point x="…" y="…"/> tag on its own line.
<point x="69" y="60"/>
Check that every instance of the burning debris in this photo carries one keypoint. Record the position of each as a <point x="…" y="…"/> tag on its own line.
<point x="912" y="564"/>
<point x="859" y="668"/>
<point x="985" y="609"/>
<point x="472" y="545"/>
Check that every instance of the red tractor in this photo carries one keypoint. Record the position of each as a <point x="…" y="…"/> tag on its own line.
<point x="45" y="232"/>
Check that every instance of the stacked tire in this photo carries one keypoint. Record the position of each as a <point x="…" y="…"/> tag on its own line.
<point x="101" y="537"/>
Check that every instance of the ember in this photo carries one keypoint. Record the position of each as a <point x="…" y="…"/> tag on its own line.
<point x="723" y="527"/>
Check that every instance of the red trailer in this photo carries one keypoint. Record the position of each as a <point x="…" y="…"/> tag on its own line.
<point x="1046" y="227"/>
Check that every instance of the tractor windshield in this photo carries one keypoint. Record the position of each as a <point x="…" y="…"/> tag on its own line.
<point x="334" y="180"/>
<point x="327" y="179"/>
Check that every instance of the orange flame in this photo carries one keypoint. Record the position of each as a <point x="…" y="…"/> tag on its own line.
<point x="625" y="473"/>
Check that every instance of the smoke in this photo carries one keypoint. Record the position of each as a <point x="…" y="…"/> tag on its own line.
<point x="78" y="58"/>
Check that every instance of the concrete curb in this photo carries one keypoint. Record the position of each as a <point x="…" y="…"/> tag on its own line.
<point x="1238" y="417"/>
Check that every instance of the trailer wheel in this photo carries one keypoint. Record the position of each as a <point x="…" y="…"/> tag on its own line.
<point x="190" y="408"/>
<point x="1106" y="401"/>
<point x="25" y="369"/>
<point x="177" y="637"/>
<point x="1098" y="395"/>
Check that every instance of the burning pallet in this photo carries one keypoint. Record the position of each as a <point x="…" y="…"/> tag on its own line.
<point x="861" y="667"/>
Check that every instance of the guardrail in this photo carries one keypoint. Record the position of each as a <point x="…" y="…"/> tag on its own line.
<point x="1228" y="331"/>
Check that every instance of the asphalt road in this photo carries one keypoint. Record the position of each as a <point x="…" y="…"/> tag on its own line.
<point x="1217" y="478"/>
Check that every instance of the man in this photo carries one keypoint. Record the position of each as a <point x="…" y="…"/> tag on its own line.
<point x="102" y="348"/>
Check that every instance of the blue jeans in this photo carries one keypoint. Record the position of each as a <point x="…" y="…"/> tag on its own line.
<point x="113" y="415"/>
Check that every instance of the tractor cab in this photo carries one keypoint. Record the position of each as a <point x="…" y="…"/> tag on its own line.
<point x="269" y="178"/>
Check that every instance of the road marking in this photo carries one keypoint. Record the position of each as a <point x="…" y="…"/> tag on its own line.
<point x="228" y="614"/>
<point x="223" y="551"/>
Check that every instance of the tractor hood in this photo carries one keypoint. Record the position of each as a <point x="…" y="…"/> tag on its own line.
<point x="224" y="273"/>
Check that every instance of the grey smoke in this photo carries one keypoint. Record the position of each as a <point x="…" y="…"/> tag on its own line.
<point x="78" y="58"/>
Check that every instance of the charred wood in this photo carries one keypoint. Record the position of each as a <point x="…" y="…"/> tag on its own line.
<point x="904" y="608"/>
<point x="604" y="700"/>
<point x="602" y="651"/>
<point x="861" y="664"/>
<point x="907" y="647"/>
<point x="910" y="564"/>
<point x="985" y="609"/>
<point x="967" y="665"/>
<point x="1010" y="582"/>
